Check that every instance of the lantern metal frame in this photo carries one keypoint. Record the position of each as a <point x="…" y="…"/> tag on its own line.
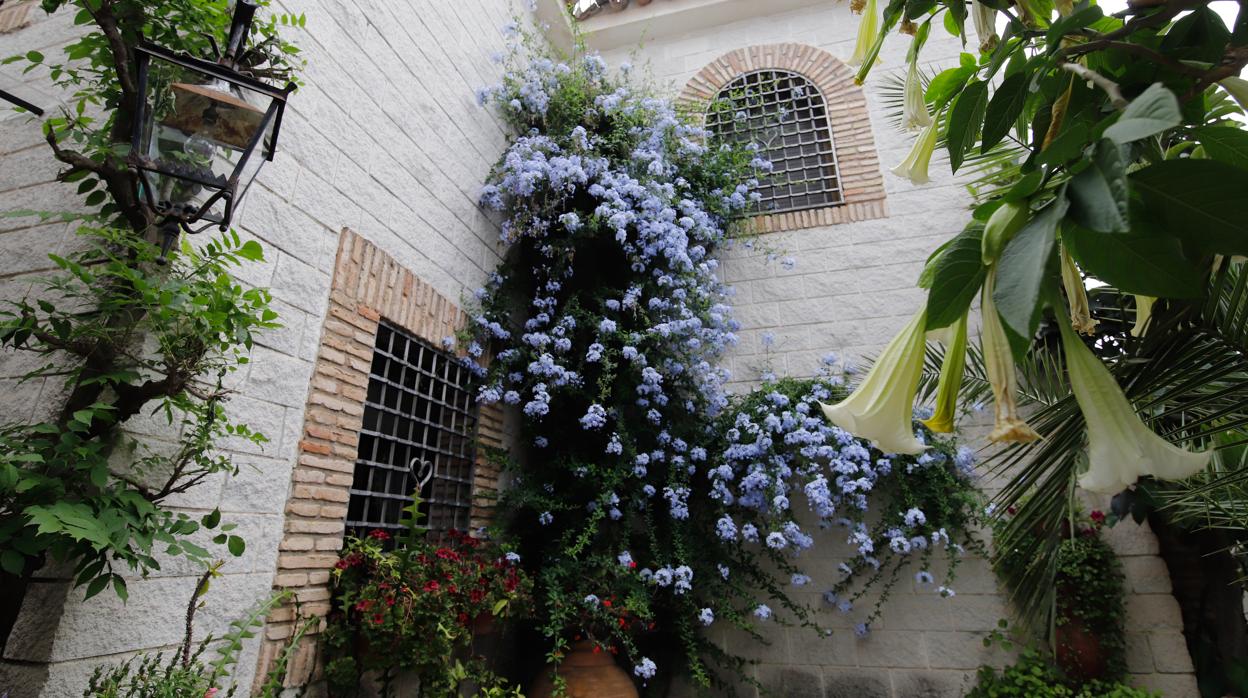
<point x="185" y="216"/>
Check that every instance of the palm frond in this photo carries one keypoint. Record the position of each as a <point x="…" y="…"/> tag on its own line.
<point x="1188" y="379"/>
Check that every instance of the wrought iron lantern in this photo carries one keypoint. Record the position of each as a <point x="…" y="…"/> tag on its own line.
<point x="202" y="131"/>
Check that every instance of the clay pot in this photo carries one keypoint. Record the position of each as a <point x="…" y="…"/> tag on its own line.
<point x="589" y="675"/>
<point x="1079" y="652"/>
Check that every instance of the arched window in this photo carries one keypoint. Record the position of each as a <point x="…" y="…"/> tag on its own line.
<point x="786" y="115"/>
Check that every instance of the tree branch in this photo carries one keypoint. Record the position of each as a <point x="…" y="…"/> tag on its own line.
<point x="1110" y="87"/>
<point x="108" y="24"/>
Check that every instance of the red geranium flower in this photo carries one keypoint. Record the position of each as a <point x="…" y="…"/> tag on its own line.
<point x="1098" y="516"/>
<point x="378" y="534"/>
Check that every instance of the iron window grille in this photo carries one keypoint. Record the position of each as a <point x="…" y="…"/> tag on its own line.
<point x="787" y="117"/>
<point x="419" y="415"/>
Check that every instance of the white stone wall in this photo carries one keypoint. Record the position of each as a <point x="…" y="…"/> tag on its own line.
<point x="853" y="287"/>
<point x="384" y="137"/>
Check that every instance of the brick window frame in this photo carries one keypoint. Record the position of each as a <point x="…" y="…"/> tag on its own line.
<point x="15" y="15"/>
<point x="367" y="285"/>
<point x="861" y="180"/>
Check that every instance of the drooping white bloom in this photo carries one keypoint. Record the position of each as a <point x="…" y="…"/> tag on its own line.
<point x="1076" y="296"/>
<point x="868" y="29"/>
<point x="914" y="114"/>
<point x="951" y="371"/>
<point x="985" y="19"/>
<point x="914" y="167"/>
<point x="999" y="365"/>
<point x="1121" y="448"/>
<point x="881" y="408"/>
<point x="1143" y="313"/>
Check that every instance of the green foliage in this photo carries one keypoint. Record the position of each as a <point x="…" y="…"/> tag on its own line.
<point x="413" y="609"/>
<point x="1032" y="676"/>
<point x="1119" y="138"/>
<point x="160" y="339"/>
<point x="198" y="673"/>
<point x="1091" y="592"/>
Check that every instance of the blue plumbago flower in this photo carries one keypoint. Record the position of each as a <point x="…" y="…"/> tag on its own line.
<point x="545" y="518"/>
<point x="924" y="577"/>
<point x="762" y="612"/>
<point x="684" y="579"/>
<point x="776" y="540"/>
<point x="799" y="580"/>
<point x="862" y="630"/>
<point x="946" y="592"/>
<point x="645" y="669"/>
<point x="830" y="597"/>
<point x="626" y="559"/>
<point x="513" y="558"/>
<point x="845" y="606"/>
<point x="591" y="600"/>
<point x="723" y="570"/>
<point x="706" y="616"/>
<point x="749" y="532"/>
<point x="664" y="576"/>
<point x="914" y="517"/>
<point x="540" y="442"/>
<point x="595" y="417"/>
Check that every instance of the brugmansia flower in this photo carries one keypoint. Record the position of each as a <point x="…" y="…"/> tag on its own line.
<point x="914" y="113"/>
<point x="1077" y="296"/>
<point x="914" y="167"/>
<point x="1065" y="7"/>
<point x="1143" y="313"/>
<point x="1237" y="88"/>
<point x="868" y="28"/>
<point x="1121" y="448"/>
<point x="951" y="371"/>
<point x="985" y="26"/>
<point x="881" y="408"/>
<point x="999" y="364"/>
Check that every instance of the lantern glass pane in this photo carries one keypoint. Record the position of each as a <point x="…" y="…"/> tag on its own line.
<point x="197" y="130"/>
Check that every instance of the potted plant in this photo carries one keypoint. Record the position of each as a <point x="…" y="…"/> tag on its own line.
<point x="411" y="605"/>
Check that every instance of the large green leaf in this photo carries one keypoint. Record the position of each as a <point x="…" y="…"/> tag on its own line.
<point x="946" y="84"/>
<point x="1154" y="111"/>
<point x="1023" y="266"/>
<point x="1099" y="194"/>
<point x="1203" y="201"/>
<point x="958" y="276"/>
<point x="965" y="118"/>
<point x="1225" y="143"/>
<point x="1145" y="265"/>
<point x="1003" y="109"/>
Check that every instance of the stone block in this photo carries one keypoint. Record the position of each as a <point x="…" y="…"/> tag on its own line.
<point x="931" y="684"/>
<point x="893" y="648"/>
<point x="791" y="681"/>
<point x="1170" y="652"/>
<point x="856" y="683"/>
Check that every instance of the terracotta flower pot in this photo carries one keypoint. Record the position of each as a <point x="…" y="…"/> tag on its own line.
<point x="1079" y="651"/>
<point x="589" y="674"/>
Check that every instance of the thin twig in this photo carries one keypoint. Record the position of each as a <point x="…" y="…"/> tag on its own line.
<point x="1110" y="87"/>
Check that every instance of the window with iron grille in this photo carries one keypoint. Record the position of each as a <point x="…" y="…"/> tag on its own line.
<point x="418" y="414"/>
<point x="787" y="117"/>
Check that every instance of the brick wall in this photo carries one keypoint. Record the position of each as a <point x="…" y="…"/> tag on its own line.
<point x="385" y="137"/>
<point x="368" y="285"/>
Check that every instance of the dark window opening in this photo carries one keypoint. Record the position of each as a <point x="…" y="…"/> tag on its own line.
<point x="786" y="116"/>
<point x="418" y="414"/>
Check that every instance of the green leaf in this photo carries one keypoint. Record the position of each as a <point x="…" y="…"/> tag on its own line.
<point x="1064" y="25"/>
<point x="251" y="250"/>
<point x="12" y="562"/>
<point x="1154" y="111"/>
<point x="1023" y="266"/>
<point x="1099" y="194"/>
<point x="211" y="519"/>
<point x="1004" y="108"/>
<point x="119" y="586"/>
<point x="1199" y="200"/>
<point x="1225" y="143"/>
<point x="34" y="56"/>
<point x="1068" y="144"/>
<point x="236" y="545"/>
<point x="965" y="118"/>
<point x="1146" y="265"/>
<point x="97" y="585"/>
<point x="957" y="278"/>
<point x="946" y="84"/>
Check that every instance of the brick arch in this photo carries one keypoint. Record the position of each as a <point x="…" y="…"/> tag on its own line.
<point x="858" y="165"/>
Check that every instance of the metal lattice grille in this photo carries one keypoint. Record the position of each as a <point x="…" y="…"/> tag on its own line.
<point x="786" y="115"/>
<point x="418" y="410"/>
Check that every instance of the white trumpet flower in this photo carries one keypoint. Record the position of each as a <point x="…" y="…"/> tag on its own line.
<point x="914" y="167"/>
<point x="914" y="111"/>
<point x="985" y="19"/>
<point x="1143" y="313"/>
<point x="1237" y="88"/>
<point x="999" y="365"/>
<point x="1121" y="448"/>
<point x="868" y="28"/>
<point x="951" y="373"/>
<point x="1077" y="296"/>
<point x="881" y="409"/>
